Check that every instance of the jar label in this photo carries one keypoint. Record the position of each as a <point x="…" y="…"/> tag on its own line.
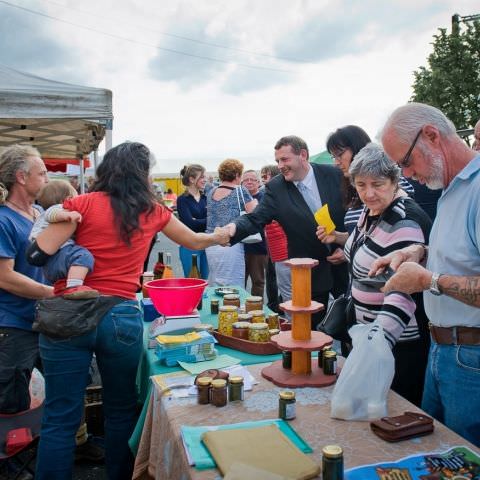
<point x="290" y="411"/>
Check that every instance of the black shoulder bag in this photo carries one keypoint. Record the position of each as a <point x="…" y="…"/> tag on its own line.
<point x="340" y="315"/>
<point x="58" y="317"/>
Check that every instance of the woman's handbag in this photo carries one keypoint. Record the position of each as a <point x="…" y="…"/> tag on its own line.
<point x="255" y="237"/>
<point x="339" y="318"/>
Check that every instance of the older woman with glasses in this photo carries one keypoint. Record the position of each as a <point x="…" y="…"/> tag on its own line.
<point x="389" y="220"/>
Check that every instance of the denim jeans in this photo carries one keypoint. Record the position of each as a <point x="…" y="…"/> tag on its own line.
<point x="452" y="388"/>
<point x="117" y="343"/>
<point x="186" y="259"/>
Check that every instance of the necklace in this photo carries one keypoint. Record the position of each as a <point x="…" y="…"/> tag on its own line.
<point x="31" y="214"/>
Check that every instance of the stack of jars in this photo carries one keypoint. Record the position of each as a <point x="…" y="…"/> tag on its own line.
<point x="248" y="323"/>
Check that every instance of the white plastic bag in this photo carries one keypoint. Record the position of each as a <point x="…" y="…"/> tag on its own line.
<point x="37" y="388"/>
<point x="362" y="386"/>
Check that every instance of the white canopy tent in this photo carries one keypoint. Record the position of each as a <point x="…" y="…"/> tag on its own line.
<point x="59" y="119"/>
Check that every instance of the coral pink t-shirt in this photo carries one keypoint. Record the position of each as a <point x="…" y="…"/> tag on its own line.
<point x="117" y="266"/>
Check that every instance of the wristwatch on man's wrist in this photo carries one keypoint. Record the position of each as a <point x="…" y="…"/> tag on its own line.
<point x="434" y="287"/>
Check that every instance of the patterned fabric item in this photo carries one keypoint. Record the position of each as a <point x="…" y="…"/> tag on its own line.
<point x="402" y="224"/>
<point x="226" y="265"/>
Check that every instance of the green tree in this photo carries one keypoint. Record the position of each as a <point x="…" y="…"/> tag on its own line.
<point x="451" y="82"/>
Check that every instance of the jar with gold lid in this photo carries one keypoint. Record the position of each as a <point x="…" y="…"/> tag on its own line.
<point x="286" y="405"/>
<point x="240" y="330"/>
<point x="258" y="332"/>
<point x="232" y="299"/>
<point x="257" y="316"/>
<point x="227" y="316"/>
<point x="253" y="303"/>
<point x="332" y="462"/>
<point x="321" y="355"/>
<point x="235" y="389"/>
<point x="330" y="362"/>
<point x="218" y="393"/>
<point x="203" y="390"/>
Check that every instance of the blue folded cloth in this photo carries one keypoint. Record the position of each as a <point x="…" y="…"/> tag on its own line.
<point x="199" y="455"/>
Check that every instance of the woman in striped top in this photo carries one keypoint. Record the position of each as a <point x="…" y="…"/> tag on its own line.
<point x="389" y="221"/>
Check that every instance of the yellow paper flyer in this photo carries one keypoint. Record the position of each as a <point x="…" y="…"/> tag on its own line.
<point x="322" y="216"/>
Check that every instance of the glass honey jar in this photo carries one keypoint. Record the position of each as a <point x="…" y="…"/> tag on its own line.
<point x="227" y="316"/>
<point x="257" y="316"/>
<point x="273" y="321"/>
<point x="245" y="317"/>
<point x="258" y="332"/>
<point x="240" y="330"/>
<point x="253" y="303"/>
<point x="219" y="393"/>
<point x="203" y="390"/>
<point x="232" y="299"/>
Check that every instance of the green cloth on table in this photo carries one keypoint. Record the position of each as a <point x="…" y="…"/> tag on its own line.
<point x="200" y="455"/>
<point x="150" y="365"/>
<point x="222" y="361"/>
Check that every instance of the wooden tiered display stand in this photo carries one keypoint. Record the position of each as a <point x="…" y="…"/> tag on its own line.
<point x="300" y="340"/>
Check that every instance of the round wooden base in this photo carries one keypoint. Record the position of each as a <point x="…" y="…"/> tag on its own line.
<point x="317" y="341"/>
<point x="286" y="378"/>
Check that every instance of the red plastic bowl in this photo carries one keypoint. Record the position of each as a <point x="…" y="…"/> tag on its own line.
<point x="176" y="296"/>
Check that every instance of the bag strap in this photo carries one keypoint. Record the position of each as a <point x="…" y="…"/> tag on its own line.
<point x="243" y="198"/>
<point x="238" y="199"/>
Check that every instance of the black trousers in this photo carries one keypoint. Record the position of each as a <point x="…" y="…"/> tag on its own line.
<point x="271" y="286"/>
<point x="410" y="365"/>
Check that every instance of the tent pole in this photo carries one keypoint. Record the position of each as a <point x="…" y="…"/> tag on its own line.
<point x="108" y="134"/>
<point x="82" y="175"/>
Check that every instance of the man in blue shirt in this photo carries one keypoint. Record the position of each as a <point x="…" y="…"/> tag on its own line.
<point x="22" y="176"/>
<point x="424" y="143"/>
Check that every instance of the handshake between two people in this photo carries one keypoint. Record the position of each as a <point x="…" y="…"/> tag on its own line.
<point x="223" y="234"/>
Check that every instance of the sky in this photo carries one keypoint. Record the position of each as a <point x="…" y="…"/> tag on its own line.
<point x="199" y="81"/>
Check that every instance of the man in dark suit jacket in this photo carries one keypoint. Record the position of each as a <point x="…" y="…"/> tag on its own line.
<point x="284" y="203"/>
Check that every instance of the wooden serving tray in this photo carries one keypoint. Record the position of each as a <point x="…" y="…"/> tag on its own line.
<point x="256" y="348"/>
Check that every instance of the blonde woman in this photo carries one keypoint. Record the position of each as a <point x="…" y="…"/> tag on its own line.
<point x="224" y="204"/>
